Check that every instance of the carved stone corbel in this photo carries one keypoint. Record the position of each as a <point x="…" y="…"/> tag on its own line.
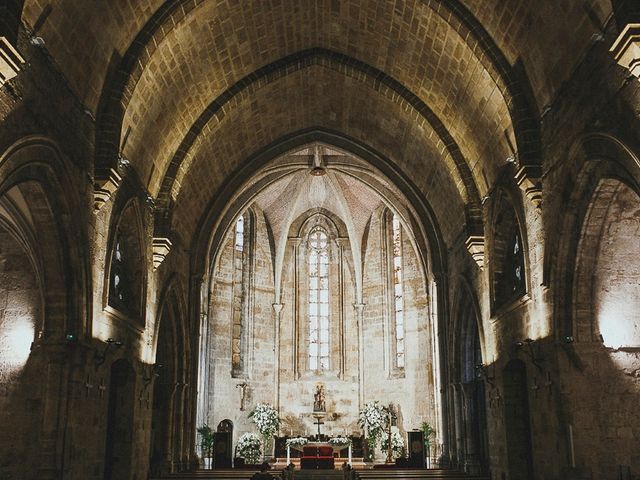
<point x="530" y="184"/>
<point x="161" y="247"/>
<point x="105" y="189"/>
<point x="10" y="61"/>
<point x="475" y="246"/>
<point x="626" y="48"/>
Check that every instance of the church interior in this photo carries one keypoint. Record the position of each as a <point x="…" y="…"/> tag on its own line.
<point x="236" y="231"/>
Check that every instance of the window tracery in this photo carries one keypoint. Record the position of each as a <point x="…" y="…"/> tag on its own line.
<point x="318" y="300"/>
<point x="398" y="293"/>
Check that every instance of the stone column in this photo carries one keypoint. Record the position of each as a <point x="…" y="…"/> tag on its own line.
<point x="359" y="307"/>
<point x="341" y="242"/>
<point x="54" y="380"/>
<point x="277" y="310"/>
<point x="294" y="243"/>
<point x="470" y="420"/>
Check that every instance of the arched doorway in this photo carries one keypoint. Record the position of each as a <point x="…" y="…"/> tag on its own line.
<point x="471" y="430"/>
<point x="223" y="449"/>
<point x="168" y="413"/>
<point x="517" y="421"/>
<point x="119" y="447"/>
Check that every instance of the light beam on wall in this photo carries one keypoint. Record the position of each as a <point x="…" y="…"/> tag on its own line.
<point x="15" y="341"/>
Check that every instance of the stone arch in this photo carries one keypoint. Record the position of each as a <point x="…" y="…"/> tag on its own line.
<point x="35" y="167"/>
<point x="508" y="247"/>
<point x="119" y="449"/>
<point x="217" y="218"/>
<point x="170" y="376"/>
<point x="118" y="89"/>
<point x="607" y="276"/>
<point x="517" y="420"/>
<point x="595" y="158"/>
<point x="471" y="368"/>
<point x="126" y="272"/>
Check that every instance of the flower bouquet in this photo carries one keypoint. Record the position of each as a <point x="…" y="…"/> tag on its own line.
<point x="340" y="441"/>
<point x="297" y="442"/>
<point x="267" y="421"/>
<point x="249" y="447"/>
<point x="373" y="418"/>
<point x="397" y="444"/>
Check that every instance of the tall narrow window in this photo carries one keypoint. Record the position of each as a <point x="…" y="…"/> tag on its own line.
<point x="241" y="246"/>
<point x="240" y="234"/>
<point x="318" y="300"/>
<point x="398" y="292"/>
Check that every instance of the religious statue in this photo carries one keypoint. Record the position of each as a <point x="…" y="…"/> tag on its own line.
<point x="243" y="388"/>
<point x="318" y="399"/>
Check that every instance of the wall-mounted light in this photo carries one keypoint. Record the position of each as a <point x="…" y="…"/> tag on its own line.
<point x="482" y="372"/>
<point x="527" y="345"/>
<point x="568" y="339"/>
<point x="152" y="373"/>
<point x="100" y="357"/>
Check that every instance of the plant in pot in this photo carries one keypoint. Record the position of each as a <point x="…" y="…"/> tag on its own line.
<point x="428" y="432"/>
<point x="207" y="437"/>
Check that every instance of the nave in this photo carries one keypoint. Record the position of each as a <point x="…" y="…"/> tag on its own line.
<point x="236" y="231"/>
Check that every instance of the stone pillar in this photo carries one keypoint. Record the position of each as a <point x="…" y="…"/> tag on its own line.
<point x="341" y="242"/>
<point x="294" y="244"/>
<point x="277" y="310"/>
<point x="472" y="457"/>
<point x="459" y="420"/>
<point x="54" y="380"/>
<point x="359" y="307"/>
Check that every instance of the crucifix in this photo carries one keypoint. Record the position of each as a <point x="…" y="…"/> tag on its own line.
<point x="88" y="385"/>
<point x="318" y="422"/>
<point x="243" y="387"/>
<point x="102" y="388"/>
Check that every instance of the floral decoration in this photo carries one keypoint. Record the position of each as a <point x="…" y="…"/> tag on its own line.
<point x="249" y="447"/>
<point x="397" y="444"/>
<point x="266" y="419"/>
<point x="373" y="418"/>
<point x="340" y="441"/>
<point x="297" y="441"/>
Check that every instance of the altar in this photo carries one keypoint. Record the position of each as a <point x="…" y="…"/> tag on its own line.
<point x="321" y="450"/>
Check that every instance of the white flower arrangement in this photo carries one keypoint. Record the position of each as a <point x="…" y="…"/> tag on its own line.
<point x="297" y="441"/>
<point x="397" y="444"/>
<point x="340" y="441"/>
<point x="249" y="447"/>
<point x="266" y="419"/>
<point x="373" y="418"/>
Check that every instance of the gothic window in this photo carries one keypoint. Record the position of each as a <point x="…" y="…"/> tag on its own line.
<point x="509" y="264"/>
<point x="398" y="293"/>
<point x="117" y="290"/>
<point x="240" y="234"/>
<point x="240" y="302"/>
<point x="126" y="269"/>
<point x="318" y="300"/>
<point x="515" y="264"/>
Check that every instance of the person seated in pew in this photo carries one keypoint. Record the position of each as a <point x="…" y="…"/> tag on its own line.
<point x="263" y="474"/>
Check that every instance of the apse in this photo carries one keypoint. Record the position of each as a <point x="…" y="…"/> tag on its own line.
<point x="317" y="283"/>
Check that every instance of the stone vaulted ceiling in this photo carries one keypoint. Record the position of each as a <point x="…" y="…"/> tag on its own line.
<point x="188" y="90"/>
